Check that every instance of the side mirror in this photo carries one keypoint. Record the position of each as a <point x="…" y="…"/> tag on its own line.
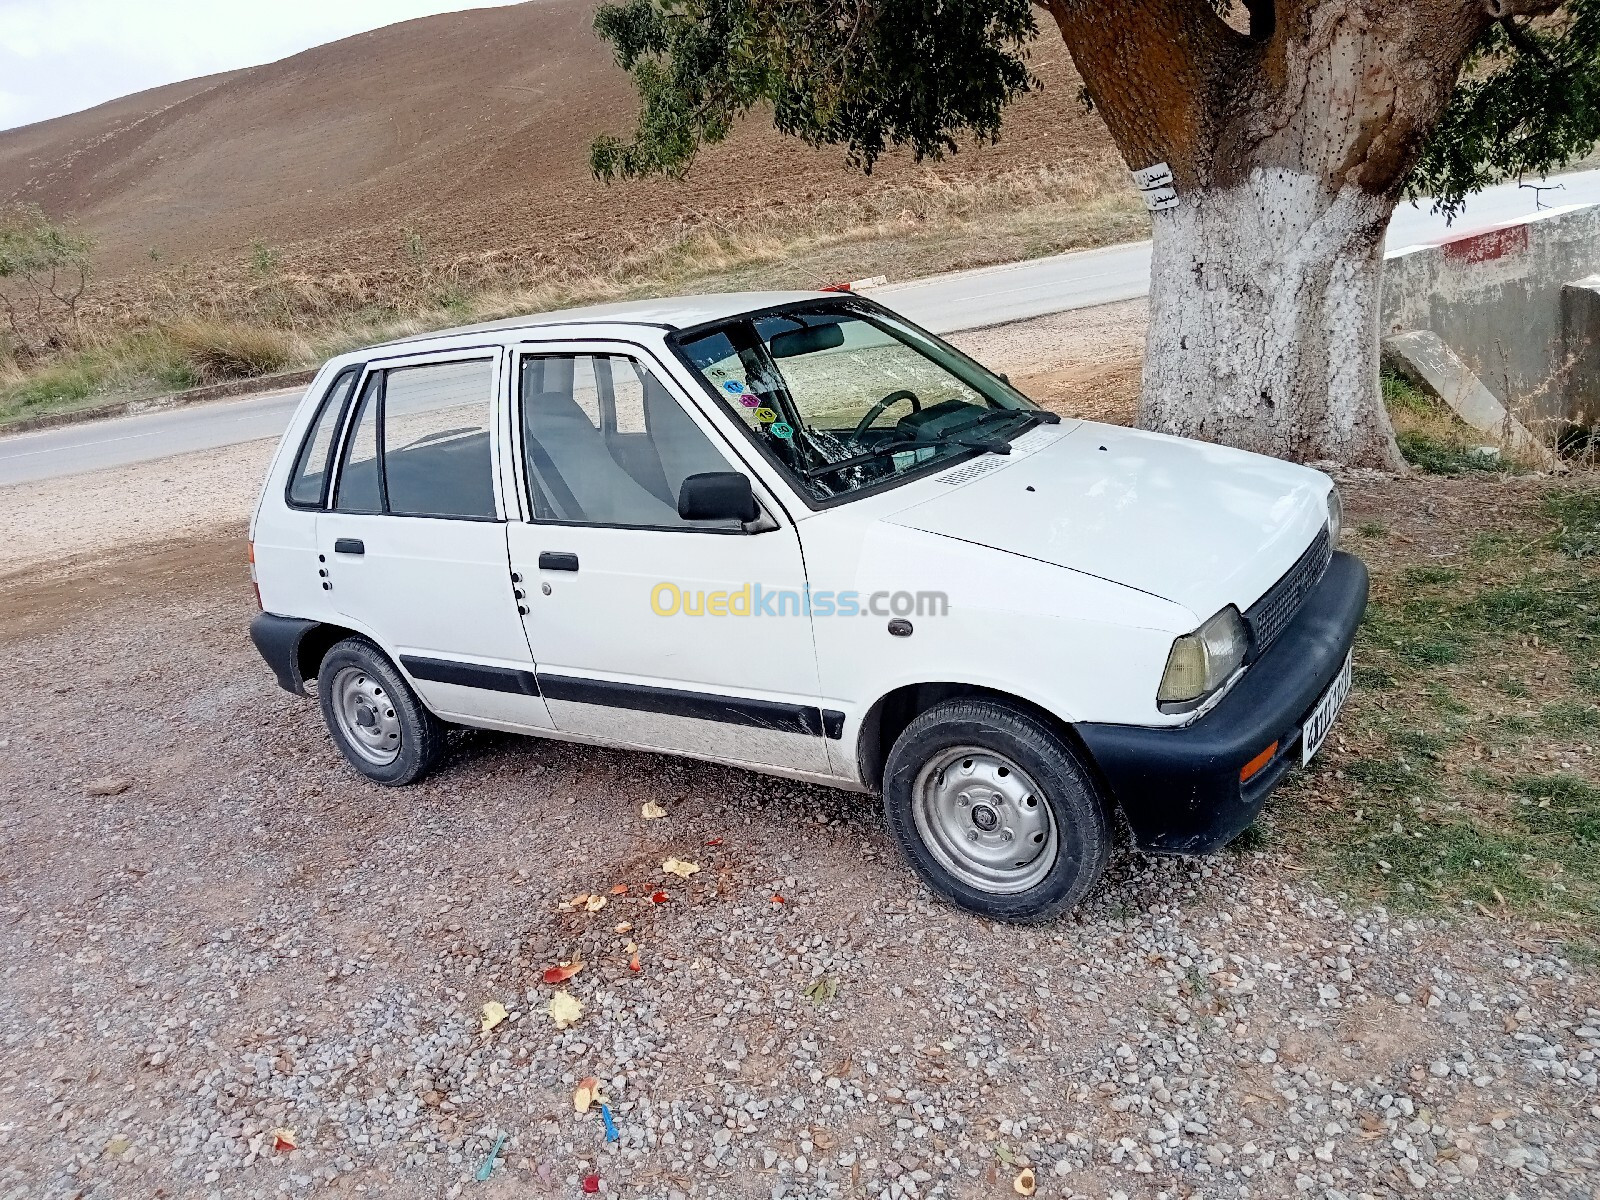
<point x="717" y="496"/>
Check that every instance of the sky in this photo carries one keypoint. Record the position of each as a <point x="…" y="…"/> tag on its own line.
<point x="62" y="56"/>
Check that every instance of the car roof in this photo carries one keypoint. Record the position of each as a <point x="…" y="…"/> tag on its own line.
<point x="671" y="312"/>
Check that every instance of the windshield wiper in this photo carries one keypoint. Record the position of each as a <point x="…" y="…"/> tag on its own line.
<point x="1031" y="417"/>
<point x="897" y="445"/>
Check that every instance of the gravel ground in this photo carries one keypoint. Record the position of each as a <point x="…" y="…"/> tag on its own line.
<point x="244" y="937"/>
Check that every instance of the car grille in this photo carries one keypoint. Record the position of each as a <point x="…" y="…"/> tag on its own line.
<point x="1270" y="616"/>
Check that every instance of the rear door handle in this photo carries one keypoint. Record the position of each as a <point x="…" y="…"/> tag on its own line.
<point x="549" y="560"/>
<point x="349" y="546"/>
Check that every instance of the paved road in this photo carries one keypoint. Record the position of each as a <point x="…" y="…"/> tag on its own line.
<point x="1018" y="291"/>
<point x="945" y="304"/>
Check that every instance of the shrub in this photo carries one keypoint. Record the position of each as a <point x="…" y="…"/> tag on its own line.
<point x="56" y="386"/>
<point x="218" y="350"/>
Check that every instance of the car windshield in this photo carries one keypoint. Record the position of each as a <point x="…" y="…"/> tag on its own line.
<point x="847" y="398"/>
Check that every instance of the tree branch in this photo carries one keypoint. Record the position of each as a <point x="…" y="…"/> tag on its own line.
<point x="1524" y="41"/>
<point x="1156" y="71"/>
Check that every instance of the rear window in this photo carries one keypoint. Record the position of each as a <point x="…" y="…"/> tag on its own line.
<point x="308" y="485"/>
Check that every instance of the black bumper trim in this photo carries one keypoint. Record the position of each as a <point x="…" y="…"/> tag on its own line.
<point x="278" y="641"/>
<point x="1179" y="787"/>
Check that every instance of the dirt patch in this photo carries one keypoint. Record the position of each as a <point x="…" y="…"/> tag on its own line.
<point x="46" y="599"/>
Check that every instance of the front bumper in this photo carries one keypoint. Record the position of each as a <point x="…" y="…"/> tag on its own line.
<point x="1179" y="787"/>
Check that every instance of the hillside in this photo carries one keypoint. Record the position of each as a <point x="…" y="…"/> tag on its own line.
<point x="465" y="133"/>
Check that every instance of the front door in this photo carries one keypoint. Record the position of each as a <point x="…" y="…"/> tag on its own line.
<point x="414" y="543"/>
<point x="650" y="630"/>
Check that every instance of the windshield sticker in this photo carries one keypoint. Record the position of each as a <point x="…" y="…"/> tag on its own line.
<point x="766" y="416"/>
<point x="783" y="430"/>
<point x="750" y="400"/>
<point x="733" y="386"/>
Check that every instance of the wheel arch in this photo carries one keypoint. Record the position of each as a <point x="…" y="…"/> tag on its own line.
<point x="888" y="716"/>
<point x="320" y="639"/>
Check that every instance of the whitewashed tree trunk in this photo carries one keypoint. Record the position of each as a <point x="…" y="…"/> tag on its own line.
<point x="1264" y="317"/>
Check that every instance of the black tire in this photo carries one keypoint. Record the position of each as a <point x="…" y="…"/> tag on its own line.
<point x="420" y="734"/>
<point x="1081" y="835"/>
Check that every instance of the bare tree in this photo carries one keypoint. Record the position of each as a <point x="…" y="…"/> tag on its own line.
<point x="44" y="275"/>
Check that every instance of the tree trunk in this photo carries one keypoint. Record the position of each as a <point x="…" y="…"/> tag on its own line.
<point x="1264" y="304"/>
<point x="1288" y="146"/>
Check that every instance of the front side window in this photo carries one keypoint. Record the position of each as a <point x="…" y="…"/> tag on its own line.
<point x="419" y="445"/>
<point x="845" y="398"/>
<point x="604" y="443"/>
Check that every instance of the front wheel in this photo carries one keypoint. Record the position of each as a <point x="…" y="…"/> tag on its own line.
<point x="376" y="720"/>
<point x="995" y="811"/>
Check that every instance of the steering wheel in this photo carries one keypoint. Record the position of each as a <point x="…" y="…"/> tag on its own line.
<point x="882" y="406"/>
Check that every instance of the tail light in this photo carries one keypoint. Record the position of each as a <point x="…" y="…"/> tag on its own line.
<point x="254" y="582"/>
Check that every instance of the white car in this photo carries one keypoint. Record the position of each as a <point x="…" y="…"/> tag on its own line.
<point x="795" y="533"/>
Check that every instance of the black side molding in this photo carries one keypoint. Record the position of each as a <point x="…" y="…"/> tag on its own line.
<point x="278" y="641"/>
<point x="702" y="706"/>
<point x="473" y="675"/>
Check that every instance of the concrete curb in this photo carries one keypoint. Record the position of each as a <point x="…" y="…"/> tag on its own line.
<point x="127" y="408"/>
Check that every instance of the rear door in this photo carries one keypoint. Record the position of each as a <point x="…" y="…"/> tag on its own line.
<point x="650" y="630"/>
<point x="414" y="541"/>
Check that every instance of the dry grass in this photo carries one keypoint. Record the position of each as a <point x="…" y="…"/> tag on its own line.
<point x="231" y="349"/>
<point x="276" y="308"/>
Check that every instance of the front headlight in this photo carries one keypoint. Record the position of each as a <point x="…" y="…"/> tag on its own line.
<point x="1203" y="661"/>
<point x="1335" y="516"/>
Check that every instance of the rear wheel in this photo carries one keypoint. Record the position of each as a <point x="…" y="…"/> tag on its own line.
<point x="376" y="720"/>
<point x="996" y="811"/>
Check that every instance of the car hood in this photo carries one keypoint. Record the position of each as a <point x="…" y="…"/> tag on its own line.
<point x="1199" y="525"/>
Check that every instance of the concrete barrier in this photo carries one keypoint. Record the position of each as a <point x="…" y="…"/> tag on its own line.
<point x="1500" y="299"/>
<point x="1580" y="304"/>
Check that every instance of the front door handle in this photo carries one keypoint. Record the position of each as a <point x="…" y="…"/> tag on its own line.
<point x="349" y="546"/>
<point x="549" y="560"/>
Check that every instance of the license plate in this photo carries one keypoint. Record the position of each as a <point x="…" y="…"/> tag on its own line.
<point x="1315" y="731"/>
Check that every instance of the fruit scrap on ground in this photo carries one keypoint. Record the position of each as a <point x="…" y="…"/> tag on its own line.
<point x="587" y="1095"/>
<point x="493" y="1013"/>
<point x="564" y="1009"/>
<point x="563" y="972"/>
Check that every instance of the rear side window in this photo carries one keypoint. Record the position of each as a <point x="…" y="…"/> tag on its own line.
<point x="308" y="485"/>
<point x="419" y="445"/>
<point x="436" y="456"/>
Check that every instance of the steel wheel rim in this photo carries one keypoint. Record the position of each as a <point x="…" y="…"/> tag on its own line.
<point x="366" y="716"/>
<point x="985" y="820"/>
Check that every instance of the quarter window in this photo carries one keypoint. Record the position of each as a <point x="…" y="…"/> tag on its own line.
<point x="360" y="483"/>
<point x="605" y="443"/>
<point x="308" y="484"/>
